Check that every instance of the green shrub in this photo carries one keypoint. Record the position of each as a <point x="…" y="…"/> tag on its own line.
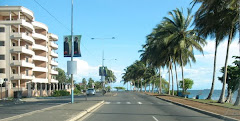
<point x="76" y="91"/>
<point x="58" y="93"/>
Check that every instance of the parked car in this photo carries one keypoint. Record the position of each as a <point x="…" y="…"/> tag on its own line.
<point x="91" y="91"/>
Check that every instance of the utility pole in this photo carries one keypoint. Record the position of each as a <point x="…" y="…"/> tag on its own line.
<point x="103" y="77"/>
<point x="72" y="95"/>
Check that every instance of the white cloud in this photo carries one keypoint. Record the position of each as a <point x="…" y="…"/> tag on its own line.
<point x="84" y="70"/>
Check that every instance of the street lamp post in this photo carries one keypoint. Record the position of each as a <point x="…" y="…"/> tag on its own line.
<point x="102" y="76"/>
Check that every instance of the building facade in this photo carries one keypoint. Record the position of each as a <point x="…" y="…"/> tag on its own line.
<point x="27" y="54"/>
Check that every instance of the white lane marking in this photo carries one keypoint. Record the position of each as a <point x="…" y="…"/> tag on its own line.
<point x="107" y="102"/>
<point x="118" y="102"/>
<point x="128" y="103"/>
<point x="155" y="118"/>
<point x="139" y="103"/>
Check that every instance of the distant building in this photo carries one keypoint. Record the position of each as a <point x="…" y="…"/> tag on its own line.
<point x="27" y="53"/>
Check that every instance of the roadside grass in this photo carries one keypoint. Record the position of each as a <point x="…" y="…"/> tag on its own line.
<point x="214" y="102"/>
<point x="210" y="102"/>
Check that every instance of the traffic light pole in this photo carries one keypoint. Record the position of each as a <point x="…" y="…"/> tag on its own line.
<point x="72" y="95"/>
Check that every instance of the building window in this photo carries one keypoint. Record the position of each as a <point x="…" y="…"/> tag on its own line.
<point x="14" y="71"/>
<point x="2" y="57"/>
<point x="26" y="72"/>
<point x="13" y="30"/>
<point x="14" y="84"/>
<point x="2" y="71"/>
<point x="13" y="44"/>
<point x="2" y="29"/>
<point x="13" y="58"/>
<point x="26" y="59"/>
<point x="26" y="46"/>
<point x="2" y="43"/>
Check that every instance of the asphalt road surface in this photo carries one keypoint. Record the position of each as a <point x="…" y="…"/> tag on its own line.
<point x="11" y="109"/>
<point x="133" y="106"/>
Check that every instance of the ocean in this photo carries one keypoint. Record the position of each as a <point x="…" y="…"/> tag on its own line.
<point x="204" y="93"/>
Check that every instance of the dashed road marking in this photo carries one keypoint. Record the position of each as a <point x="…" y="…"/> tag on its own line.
<point x="118" y="102"/>
<point x="128" y="103"/>
<point x="107" y="102"/>
<point x="139" y="103"/>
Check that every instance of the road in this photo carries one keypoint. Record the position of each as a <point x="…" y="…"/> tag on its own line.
<point x="11" y="109"/>
<point x="133" y="106"/>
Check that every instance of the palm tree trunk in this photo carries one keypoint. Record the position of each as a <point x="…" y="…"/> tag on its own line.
<point x="169" y="79"/>
<point x="149" y="87"/>
<point x="176" y="77"/>
<point x="141" y="86"/>
<point x="160" y="81"/>
<point x="222" y="96"/>
<point x="182" y="74"/>
<point x="145" y="87"/>
<point x="229" y="96"/>
<point x="134" y="85"/>
<point x="172" y="80"/>
<point x="237" y="102"/>
<point x="138" y="85"/>
<point x="214" y="71"/>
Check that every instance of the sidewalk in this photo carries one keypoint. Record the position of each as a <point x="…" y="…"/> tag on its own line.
<point x="61" y="112"/>
<point x="222" y="111"/>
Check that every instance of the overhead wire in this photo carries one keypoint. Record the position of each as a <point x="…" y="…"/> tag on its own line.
<point x="65" y="28"/>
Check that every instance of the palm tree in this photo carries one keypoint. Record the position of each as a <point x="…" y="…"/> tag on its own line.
<point x="226" y="18"/>
<point x="182" y="39"/>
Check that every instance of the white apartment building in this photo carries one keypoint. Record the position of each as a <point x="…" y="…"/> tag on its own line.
<point x="27" y="53"/>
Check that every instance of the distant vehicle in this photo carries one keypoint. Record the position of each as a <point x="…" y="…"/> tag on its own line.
<point x="91" y="91"/>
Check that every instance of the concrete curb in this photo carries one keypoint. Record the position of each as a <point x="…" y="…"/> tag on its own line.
<point x="202" y="111"/>
<point x="30" y="113"/>
<point x="83" y="113"/>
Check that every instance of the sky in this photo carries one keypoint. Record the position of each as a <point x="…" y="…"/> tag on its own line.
<point x="129" y="21"/>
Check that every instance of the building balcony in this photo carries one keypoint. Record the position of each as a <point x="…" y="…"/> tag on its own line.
<point x="22" y="22"/>
<point x="40" y="47"/>
<point x="54" y="55"/>
<point x="21" y="63"/>
<point x="40" y="80"/>
<point x="54" y="45"/>
<point x="39" y="36"/>
<point x="53" y="36"/>
<point x="24" y="10"/>
<point x="23" y="36"/>
<point x="2" y="76"/>
<point x="54" y="63"/>
<point x="54" y="81"/>
<point x="40" y="69"/>
<point x="54" y="72"/>
<point x="40" y="58"/>
<point x="21" y="49"/>
<point x="21" y="76"/>
<point x="39" y="25"/>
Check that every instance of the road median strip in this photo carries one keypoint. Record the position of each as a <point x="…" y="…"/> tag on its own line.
<point x="85" y="112"/>
<point x="200" y="110"/>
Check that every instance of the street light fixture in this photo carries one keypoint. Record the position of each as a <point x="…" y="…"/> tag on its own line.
<point x="103" y="77"/>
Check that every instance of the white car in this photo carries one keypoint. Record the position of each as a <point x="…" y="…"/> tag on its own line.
<point x="91" y="91"/>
